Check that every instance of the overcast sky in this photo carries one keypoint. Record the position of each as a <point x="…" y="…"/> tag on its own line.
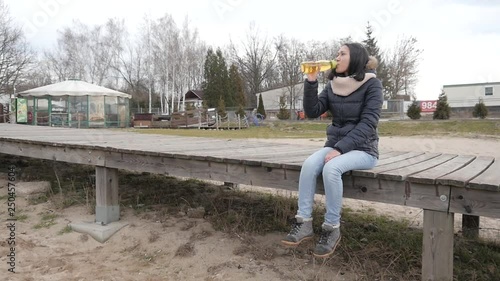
<point x="460" y="38"/>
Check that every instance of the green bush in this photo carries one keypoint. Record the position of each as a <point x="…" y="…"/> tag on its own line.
<point x="241" y="112"/>
<point x="221" y="108"/>
<point x="414" y="110"/>
<point x="260" y="107"/>
<point x="284" y="113"/>
<point x="443" y="109"/>
<point x="480" y="110"/>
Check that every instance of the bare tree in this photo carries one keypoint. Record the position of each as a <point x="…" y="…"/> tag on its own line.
<point x="165" y="35"/>
<point x="193" y="51"/>
<point x="71" y="55"/>
<point x="402" y="64"/>
<point x="146" y="46"/>
<point x="15" y="53"/>
<point x="87" y="53"/>
<point x="256" y="58"/>
<point x="179" y="60"/>
<point x="290" y="55"/>
<point x="159" y="65"/>
<point x="324" y="50"/>
<point x="37" y="74"/>
<point x="106" y="47"/>
<point x="130" y="68"/>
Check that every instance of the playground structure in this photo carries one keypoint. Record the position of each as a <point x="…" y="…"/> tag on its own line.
<point x="198" y="118"/>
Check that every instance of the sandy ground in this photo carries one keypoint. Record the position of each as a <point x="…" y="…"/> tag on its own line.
<point x="159" y="247"/>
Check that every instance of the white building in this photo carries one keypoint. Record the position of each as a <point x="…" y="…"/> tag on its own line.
<point x="463" y="97"/>
<point x="271" y="98"/>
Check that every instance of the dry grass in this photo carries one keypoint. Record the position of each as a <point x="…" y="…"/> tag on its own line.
<point x="186" y="250"/>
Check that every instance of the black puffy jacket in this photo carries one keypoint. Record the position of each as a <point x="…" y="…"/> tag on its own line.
<point x="355" y="116"/>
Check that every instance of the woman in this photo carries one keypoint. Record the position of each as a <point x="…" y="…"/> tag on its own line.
<point x="354" y="98"/>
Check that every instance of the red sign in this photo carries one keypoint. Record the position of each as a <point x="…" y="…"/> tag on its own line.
<point x="428" y="105"/>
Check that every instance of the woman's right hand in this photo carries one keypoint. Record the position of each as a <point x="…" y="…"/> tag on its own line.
<point x="312" y="77"/>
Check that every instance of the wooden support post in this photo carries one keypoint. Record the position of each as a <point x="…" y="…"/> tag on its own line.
<point x="437" y="250"/>
<point x="470" y="226"/>
<point x="107" y="207"/>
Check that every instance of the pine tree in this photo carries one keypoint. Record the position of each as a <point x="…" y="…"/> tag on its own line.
<point x="209" y="84"/>
<point x="480" y="110"/>
<point x="236" y="87"/>
<point x="371" y="43"/>
<point x="414" y="110"/>
<point x="284" y="113"/>
<point x="373" y="49"/>
<point x="241" y="112"/>
<point x="260" y="107"/>
<point x="221" y="108"/>
<point x="223" y="80"/>
<point x="216" y="79"/>
<point x="443" y="110"/>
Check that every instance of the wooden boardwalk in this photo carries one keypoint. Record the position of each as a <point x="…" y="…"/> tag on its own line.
<point x="441" y="184"/>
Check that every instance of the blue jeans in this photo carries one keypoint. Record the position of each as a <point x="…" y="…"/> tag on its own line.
<point x="332" y="179"/>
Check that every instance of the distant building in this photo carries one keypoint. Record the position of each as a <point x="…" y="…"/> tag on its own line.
<point x="271" y="98"/>
<point x="463" y="97"/>
<point x="74" y="103"/>
<point x="402" y="97"/>
<point x="194" y="98"/>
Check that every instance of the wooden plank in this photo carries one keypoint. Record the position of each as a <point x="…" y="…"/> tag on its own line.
<point x="267" y="158"/>
<point x="283" y="163"/>
<point x="254" y="153"/>
<point x="287" y="158"/>
<point x="56" y="153"/>
<point x="398" y="158"/>
<point x="430" y="197"/>
<point x="376" y="190"/>
<point x="437" y="252"/>
<point x="181" y="146"/>
<point x="224" y="172"/>
<point x="277" y="155"/>
<point x="372" y="173"/>
<point x="397" y="192"/>
<point x="107" y="207"/>
<point x="401" y="173"/>
<point x="293" y="164"/>
<point x="462" y="176"/>
<point x="430" y="176"/>
<point x="489" y="179"/>
<point x="475" y="202"/>
<point x="389" y="154"/>
<point x="215" y="148"/>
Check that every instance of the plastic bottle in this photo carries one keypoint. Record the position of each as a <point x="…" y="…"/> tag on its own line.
<point x="317" y="66"/>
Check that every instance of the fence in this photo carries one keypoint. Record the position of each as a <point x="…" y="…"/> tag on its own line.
<point x="394" y="109"/>
<point x="4" y="113"/>
<point x="154" y="110"/>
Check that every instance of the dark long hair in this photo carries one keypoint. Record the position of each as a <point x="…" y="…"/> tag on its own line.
<point x="357" y="64"/>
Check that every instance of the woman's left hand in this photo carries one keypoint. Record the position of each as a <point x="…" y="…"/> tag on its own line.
<point x="332" y="154"/>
